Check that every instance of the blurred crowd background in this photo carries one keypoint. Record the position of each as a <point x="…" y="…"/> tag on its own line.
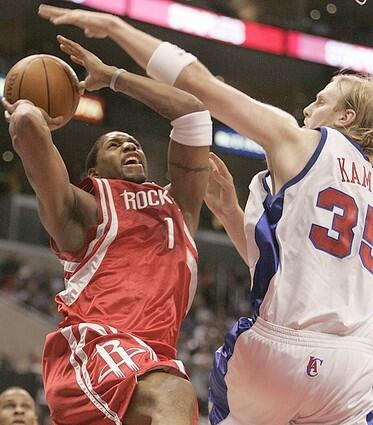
<point x="280" y="52"/>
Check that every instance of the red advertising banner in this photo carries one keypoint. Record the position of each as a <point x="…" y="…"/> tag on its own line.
<point x="210" y="25"/>
<point x="265" y="38"/>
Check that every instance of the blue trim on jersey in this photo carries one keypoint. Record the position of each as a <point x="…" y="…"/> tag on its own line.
<point x="311" y="161"/>
<point x="265" y="230"/>
<point x="370" y="418"/>
<point x="218" y="387"/>
<point x="356" y="145"/>
<point x="306" y="169"/>
<point x="265" y="238"/>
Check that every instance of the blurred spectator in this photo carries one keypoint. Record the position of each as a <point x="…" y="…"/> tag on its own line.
<point x="27" y="376"/>
<point x="31" y="287"/>
<point x="17" y="406"/>
<point x="6" y="365"/>
<point x="8" y="272"/>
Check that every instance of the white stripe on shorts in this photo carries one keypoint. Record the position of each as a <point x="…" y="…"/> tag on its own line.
<point x="82" y="376"/>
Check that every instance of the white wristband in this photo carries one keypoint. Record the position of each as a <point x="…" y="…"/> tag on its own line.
<point x="115" y="77"/>
<point x="194" y="129"/>
<point x="167" y="61"/>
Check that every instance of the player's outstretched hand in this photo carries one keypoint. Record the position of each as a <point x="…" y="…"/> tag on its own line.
<point x="221" y="195"/>
<point x="99" y="74"/>
<point x="26" y="105"/>
<point x="94" y="24"/>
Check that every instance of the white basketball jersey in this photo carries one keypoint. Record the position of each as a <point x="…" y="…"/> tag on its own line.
<point x="310" y="247"/>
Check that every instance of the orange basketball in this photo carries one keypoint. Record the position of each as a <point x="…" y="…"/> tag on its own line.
<point x="48" y="82"/>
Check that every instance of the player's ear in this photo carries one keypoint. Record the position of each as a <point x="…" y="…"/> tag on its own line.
<point x="346" y="118"/>
<point x="92" y="172"/>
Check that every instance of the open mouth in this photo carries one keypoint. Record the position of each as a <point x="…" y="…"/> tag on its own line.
<point x="133" y="164"/>
<point x="131" y="161"/>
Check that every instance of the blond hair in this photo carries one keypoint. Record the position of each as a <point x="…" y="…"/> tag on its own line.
<point x="359" y="98"/>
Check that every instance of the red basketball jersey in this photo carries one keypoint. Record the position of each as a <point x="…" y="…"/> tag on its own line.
<point x="138" y="270"/>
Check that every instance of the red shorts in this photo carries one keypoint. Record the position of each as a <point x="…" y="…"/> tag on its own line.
<point x="90" y="373"/>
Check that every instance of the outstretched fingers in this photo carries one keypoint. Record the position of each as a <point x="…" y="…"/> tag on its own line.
<point x="220" y="165"/>
<point x="56" y="15"/>
<point x="77" y="60"/>
<point x="220" y="179"/>
<point x="74" y="47"/>
<point x="219" y="172"/>
<point x="211" y="163"/>
<point x="47" y="11"/>
<point x="74" y="50"/>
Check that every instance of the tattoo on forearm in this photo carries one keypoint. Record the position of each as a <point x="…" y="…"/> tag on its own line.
<point x="202" y="168"/>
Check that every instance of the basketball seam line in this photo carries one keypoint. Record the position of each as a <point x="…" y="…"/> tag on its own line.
<point x="72" y="88"/>
<point x="47" y="83"/>
<point x="23" y="74"/>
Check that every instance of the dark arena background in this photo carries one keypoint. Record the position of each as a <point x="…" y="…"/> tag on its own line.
<point x="280" y="52"/>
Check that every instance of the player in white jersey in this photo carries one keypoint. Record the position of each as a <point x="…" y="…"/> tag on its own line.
<point x="306" y="357"/>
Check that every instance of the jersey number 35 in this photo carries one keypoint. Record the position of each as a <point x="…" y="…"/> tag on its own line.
<point x="338" y="240"/>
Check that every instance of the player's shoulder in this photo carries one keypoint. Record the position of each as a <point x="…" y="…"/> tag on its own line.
<point x="340" y="142"/>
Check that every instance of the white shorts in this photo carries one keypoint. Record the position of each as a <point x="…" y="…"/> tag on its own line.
<point x="279" y="376"/>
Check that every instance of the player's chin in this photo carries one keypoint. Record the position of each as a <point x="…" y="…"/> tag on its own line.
<point x="311" y="126"/>
<point x="135" y="178"/>
<point x="134" y="173"/>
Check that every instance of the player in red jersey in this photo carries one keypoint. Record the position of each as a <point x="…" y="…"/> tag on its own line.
<point x="128" y="254"/>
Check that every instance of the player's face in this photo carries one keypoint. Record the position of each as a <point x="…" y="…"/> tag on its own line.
<point x="120" y="156"/>
<point x="326" y="109"/>
<point x="17" y="408"/>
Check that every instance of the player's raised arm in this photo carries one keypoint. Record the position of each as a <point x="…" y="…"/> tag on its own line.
<point x="276" y="130"/>
<point x="192" y="128"/>
<point x="166" y="62"/>
<point x="58" y="200"/>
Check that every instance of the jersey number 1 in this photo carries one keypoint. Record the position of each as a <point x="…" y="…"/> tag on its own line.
<point x="170" y="232"/>
<point x="338" y="240"/>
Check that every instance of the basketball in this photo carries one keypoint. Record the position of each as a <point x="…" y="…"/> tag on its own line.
<point x="48" y="82"/>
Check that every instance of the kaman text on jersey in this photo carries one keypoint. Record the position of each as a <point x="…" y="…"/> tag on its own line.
<point x="355" y="173"/>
